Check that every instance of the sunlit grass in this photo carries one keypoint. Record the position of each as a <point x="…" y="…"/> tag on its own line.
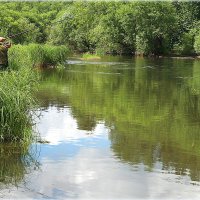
<point x="16" y="101"/>
<point x="37" y="55"/>
<point x="89" y="56"/>
<point x="18" y="84"/>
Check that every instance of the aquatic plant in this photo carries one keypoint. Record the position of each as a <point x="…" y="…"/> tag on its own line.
<point x="89" y="56"/>
<point x="16" y="103"/>
<point x="36" y="55"/>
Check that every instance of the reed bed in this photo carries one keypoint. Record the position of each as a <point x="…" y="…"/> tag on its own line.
<point x="16" y="103"/>
<point x="37" y="55"/>
<point x="18" y="84"/>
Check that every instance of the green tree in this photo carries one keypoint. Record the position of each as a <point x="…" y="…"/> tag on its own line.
<point x="155" y="25"/>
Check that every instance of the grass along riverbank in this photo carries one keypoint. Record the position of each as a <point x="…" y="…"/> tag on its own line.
<point x="37" y="55"/>
<point x="16" y="103"/>
<point x="89" y="56"/>
<point x="18" y="84"/>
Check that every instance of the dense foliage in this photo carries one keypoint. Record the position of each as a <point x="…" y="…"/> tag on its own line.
<point x="107" y="27"/>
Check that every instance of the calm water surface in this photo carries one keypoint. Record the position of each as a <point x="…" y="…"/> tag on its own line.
<point x="117" y="128"/>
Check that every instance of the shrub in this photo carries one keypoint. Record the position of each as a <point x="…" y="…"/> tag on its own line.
<point x="197" y="43"/>
<point x="186" y="45"/>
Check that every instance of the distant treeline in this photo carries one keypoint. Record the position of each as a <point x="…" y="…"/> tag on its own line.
<point x="147" y="28"/>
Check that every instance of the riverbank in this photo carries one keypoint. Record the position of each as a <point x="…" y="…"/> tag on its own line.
<point x="91" y="57"/>
<point x="16" y="103"/>
<point x="19" y="83"/>
<point x="37" y="55"/>
<point x="180" y="57"/>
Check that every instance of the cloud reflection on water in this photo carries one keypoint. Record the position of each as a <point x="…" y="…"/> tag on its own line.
<point x="58" y="126"/>
<point x="78" y="164"/>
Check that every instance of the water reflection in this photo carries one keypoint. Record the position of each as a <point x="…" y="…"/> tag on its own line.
<point x="16" y="161"/>
<point x="59" y="126"/>
<point x="150" y="111"/>
<point x="119" y="130"/>
<point x="80" y="164"/>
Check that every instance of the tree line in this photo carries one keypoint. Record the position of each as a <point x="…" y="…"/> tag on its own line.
<point x="144" y="28"/>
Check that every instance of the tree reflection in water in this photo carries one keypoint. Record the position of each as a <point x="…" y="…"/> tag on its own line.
<point x="153" y="112"/>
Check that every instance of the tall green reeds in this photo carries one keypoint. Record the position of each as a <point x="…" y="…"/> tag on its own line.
<point x="18" y="84"/>
<point x="37" y="55"/>
<point x="16" y="103"/>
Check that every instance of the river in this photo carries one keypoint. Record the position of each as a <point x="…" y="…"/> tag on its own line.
<point x="118" y="127"/>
